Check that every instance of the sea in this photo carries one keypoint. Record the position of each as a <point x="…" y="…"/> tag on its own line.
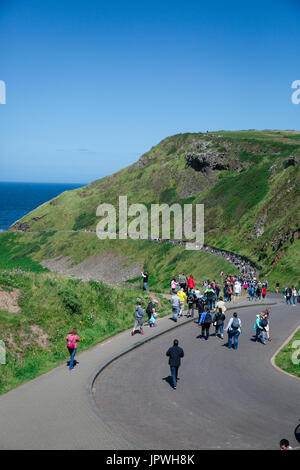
<point x="17" y="199"/>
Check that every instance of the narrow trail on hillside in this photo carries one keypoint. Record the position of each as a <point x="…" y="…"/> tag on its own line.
<point x="241" y="262"/>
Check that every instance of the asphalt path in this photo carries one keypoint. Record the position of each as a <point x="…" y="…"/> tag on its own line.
<point x="225" y="399"/>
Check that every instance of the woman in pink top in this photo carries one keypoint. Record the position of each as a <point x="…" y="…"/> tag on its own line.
<point x="72" y="340"/>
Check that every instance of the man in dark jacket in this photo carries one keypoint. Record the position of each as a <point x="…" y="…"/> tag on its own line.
<point x="175" y="354"/>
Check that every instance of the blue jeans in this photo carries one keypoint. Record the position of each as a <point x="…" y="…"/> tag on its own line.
<point x="221" y="328"/>
<point x="175" y="311"/>
<point x="233" y="335"/>
<point x="294" y="299"/>
<point x="209" y="303"/>
<point x="72" y="353"/>
<point x="288" y="300"/>
<point x="145" y="286"/>
<point x="174" y="373"/>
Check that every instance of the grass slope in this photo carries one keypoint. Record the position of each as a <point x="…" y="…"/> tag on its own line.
<point x="54" y="305"/>
<point x="265" y="193"/>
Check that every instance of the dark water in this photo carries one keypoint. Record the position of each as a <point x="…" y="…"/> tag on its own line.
<point x="17" y="199"/>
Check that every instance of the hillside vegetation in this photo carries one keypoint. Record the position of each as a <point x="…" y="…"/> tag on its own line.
<point x="50" y="305"/>
<point x="248" y="181"/>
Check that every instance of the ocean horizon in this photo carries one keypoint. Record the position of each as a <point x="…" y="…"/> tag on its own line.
<point x="17" y="199"/>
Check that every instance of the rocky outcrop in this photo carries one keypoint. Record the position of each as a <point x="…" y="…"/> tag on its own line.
<point x="212" y="160"/>
<point x="19" y="226"/>
<point x="259" y="226"/>
<point x="291" y="161"/>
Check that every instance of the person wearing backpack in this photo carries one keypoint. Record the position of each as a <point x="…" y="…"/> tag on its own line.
<point x="191" y="300"/>
<point x="150" y="309"/>
<point x="209" y="296"/>
<point x="260" y="327"/>
<point x="139" y="314"/>
<point x="201" y="307"/>
<point x="218" y="321"/>
<point x="205" y="322"/>
<point x="234" y="330"/>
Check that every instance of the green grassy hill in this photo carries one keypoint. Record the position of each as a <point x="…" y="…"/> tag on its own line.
<point x="248" y="181"/>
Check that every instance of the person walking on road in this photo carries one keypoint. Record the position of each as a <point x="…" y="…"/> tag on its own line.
<point x="205" y="322"/>
<point x="259" y="326"/>
<point x="288" y="295"/>
<point x="191" y="283"/>
<point x="182" y="296"/>
<point x="234" y="330"/>
<point x="72" y="340"/>
<point x="191" y="301"/>
<point x="175" y="301"/>
<point x="209" y="296"/>
<point x="221" y="304"/>
<point x="175" y="353"/>
<point x="139" y="314"/>
<point x="267" y="328"/>
<point x="294" y="295"/>
<point x="218" y="320"/>
<point x="237" y="288"/>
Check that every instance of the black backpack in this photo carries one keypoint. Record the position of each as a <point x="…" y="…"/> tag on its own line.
<point x="207" y="319"/>
<point x="150" y="307"/>
<point x="191" y="299"/>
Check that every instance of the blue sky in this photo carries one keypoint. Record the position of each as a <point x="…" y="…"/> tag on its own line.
<point x="92" y="85"/>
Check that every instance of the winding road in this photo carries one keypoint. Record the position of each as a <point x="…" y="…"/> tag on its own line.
<point x="225" y="399"/>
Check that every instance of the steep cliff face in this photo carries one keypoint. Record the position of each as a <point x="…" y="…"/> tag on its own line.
<point x="248" y="182"/>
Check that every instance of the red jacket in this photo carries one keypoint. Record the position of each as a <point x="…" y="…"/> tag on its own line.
<point x="191" y="282"/>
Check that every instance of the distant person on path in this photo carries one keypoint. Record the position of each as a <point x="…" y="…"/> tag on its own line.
<point x="209" y="296"/>
<point x="182" y="296"/>
<point x="191" y="283"/>
<point x="236" y="291"/>
<point x="264" y="292"/>
<point x="201" y="307"/>
<point x="294" y="296"/>
<point x="173" y="285"/>
<point x="221" y="304"/>
<point x="175" y="301"/>
<point x="191" y="301"/>
<point x="234" y="330"/>
<point x="251" y="292"/>
<point x="72" y="340"/>
<point x="182" y="281"/>
<point x="139" y="314"/>
<point x="175" y="353"/>
<point x="277" y="287"/>
<point x="145" y="276"/>
<point x="288" y="295"/>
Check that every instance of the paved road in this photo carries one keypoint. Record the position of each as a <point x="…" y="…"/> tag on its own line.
<point x="225" y="399"/>
<point x="54" y="411"/>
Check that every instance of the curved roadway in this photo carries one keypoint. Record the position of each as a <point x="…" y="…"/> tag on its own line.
<point x="225" y="399"/>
